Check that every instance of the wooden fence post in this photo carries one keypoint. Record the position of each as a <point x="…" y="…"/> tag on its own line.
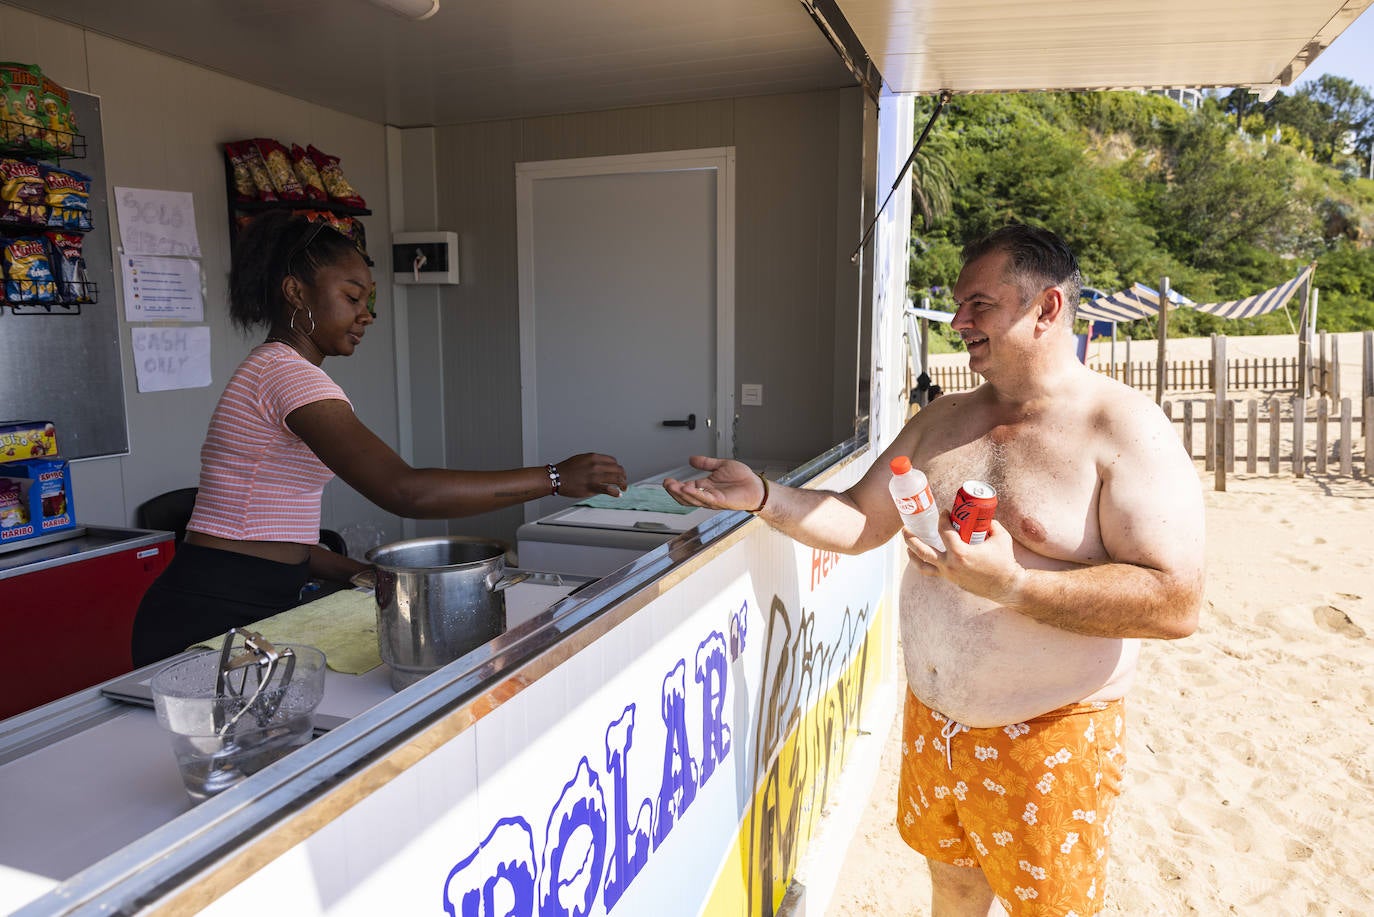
<point x="1229" y="444"/>
<point x="1163" y="328"/>
<point x="1323" y="410"/>
<point x="1299" y="435"/>
<point x="1219" y="469"/>
<point x="1335" y="385"/>
<point x="1275" y="431"/>
<point x="1188" y="427"/>
<point x="1367" y="382"/>
<point x="1368" y="438"/>
<point x="1347" y="458"/>
<point x="1251" y="435"/>
<point x="1323" y="383"/>
<point x="1225" y="447"/>
<point x="1209" y="435"/>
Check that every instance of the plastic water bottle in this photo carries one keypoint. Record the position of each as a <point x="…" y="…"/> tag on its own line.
<point x="911" y="492"/>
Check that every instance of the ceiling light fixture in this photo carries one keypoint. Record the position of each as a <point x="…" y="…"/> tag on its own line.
<point x="409" y="9"/>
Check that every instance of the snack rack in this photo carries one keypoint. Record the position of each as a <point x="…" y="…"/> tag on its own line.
<point x="239" y="208"/>
<point x="32" y="142"/>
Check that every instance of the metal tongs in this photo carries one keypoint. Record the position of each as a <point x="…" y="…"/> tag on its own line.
<point x="259" y="661"/>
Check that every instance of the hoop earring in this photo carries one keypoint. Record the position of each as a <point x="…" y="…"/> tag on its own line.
<point x="292" y="323"/>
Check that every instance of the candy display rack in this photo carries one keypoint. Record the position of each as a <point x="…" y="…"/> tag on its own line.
<point x="33" y="141"/>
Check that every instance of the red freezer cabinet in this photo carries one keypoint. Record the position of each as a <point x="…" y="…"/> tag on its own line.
<point x="67" y="611"/>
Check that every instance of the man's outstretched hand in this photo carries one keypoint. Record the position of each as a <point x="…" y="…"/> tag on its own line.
<point x="730" y="485"/>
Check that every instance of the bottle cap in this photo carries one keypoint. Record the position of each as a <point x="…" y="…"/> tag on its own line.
<point x="900" y="465"/>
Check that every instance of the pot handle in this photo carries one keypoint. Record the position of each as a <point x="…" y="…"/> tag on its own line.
<point x="507" y="581"/>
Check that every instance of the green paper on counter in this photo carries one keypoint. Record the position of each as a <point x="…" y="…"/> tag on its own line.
<point x="342" y="624"/>
<point x="641" y="497"/>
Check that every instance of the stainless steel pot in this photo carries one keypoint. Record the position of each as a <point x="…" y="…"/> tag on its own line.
<point x="437" y="599"/>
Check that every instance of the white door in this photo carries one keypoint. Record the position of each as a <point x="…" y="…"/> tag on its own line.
<point x="626" y="309"/>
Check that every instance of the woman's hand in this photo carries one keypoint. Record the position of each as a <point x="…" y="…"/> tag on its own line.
<point x="731" y="485"/>
<point x="589" y="474"/>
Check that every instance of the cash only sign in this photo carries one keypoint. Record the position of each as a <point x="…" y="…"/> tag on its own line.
<point x="676" y="765"/>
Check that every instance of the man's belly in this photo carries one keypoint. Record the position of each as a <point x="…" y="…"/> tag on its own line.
<point x="983" y="665"/>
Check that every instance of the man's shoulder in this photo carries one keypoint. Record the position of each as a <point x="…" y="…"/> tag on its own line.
<point x="1115" y="400"/>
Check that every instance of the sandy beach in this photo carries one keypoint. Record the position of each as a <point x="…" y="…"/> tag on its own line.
<point x="1250" y="779"/>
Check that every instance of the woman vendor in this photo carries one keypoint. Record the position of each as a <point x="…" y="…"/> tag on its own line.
<point x="283" y="428"/>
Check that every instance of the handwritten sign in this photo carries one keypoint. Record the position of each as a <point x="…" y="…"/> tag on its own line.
<point x="161" y="288"/>
<point x="172" y="358"/>
<point x="157" y="222"/>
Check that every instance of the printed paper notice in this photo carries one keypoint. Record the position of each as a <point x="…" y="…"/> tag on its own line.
<point x="161" y="288"/>
<point x="170" y="358"/>
<point x="157" y="222"/>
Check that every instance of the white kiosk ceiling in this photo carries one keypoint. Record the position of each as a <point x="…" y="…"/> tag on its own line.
<point x="481" y="59"/>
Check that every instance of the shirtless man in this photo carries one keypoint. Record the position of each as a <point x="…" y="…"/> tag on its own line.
<point x="1019" y="650"/>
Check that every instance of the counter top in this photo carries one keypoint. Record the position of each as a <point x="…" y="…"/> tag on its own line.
<point x="87" y="775"/>
<point x="95" y="541"/>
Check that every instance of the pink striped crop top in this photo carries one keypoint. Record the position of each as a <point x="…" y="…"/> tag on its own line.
<point x="258" y="480"/>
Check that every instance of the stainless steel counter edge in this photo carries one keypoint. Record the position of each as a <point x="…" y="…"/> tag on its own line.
<point x="443" y="705"/>
<point x="95" y="541"/>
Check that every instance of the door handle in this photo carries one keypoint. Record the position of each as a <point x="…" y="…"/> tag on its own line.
<point x="690" y="423"/>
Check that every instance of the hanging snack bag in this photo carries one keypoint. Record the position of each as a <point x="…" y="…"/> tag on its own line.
<point x="56" y="115"/>
<point x="244" y="188"/>
<point x="311" y="182"/>
<point x="246" y="152"/>
<point x="278" y="161"/>
<point x="21" y="86"/>
<point x="68" y="218"/>
<point x="21" y="181"/>
<point x="28" y="273"/>
<point x="18" y="213"/>
<point x="340" y="191"/>
<point x="67" y="188"/>
<point x="69" y="266"/>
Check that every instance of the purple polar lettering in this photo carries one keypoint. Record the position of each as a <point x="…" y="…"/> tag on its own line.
<point x="630" y="848"/>
<point x="501" y="869"/>
<point x="678" y="786"/>
<point x="739" y="626"/>
<point x="711" y="674"/>
<point x="574" y="847"/>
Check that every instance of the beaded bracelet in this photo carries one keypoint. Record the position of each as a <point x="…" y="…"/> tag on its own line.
<point x="764" y="501"/>
<point x="554" y="478"/>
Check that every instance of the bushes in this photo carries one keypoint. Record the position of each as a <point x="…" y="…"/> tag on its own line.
<point x="1143" y="188"/>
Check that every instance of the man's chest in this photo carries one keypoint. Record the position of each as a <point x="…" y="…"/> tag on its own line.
<point x="1047" y="488"/>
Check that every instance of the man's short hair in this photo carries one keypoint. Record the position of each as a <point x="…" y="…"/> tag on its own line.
<point x="1038" y="259"/>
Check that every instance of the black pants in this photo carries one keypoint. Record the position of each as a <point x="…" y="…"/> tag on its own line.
<point x="206" y="591"/>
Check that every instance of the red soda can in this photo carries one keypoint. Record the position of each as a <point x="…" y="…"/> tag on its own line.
<point x="974" y="504"/>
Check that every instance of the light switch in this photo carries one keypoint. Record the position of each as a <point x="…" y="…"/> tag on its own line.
<point x="751" y="394"/>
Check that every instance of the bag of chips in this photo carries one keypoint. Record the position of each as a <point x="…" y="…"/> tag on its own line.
<point x="57" y="116"/>
<point x="340" y="191"/>
<point x="27" y="270"/>
<point x="21" y="86"/>
<point x="69" y="268"/>
<point x="278" y="161"/>
<point x="18" y="213"/>
<point x="21" y="181"/>
<point x="67" y="218"/>
<point x="311" y="182"/>
<point x="244" y="188"/>
<point x="244" y="155"/>
<point x="67" y="188"/>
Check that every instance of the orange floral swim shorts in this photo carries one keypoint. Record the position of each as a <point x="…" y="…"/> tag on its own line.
<point x="1029" y="804"/>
